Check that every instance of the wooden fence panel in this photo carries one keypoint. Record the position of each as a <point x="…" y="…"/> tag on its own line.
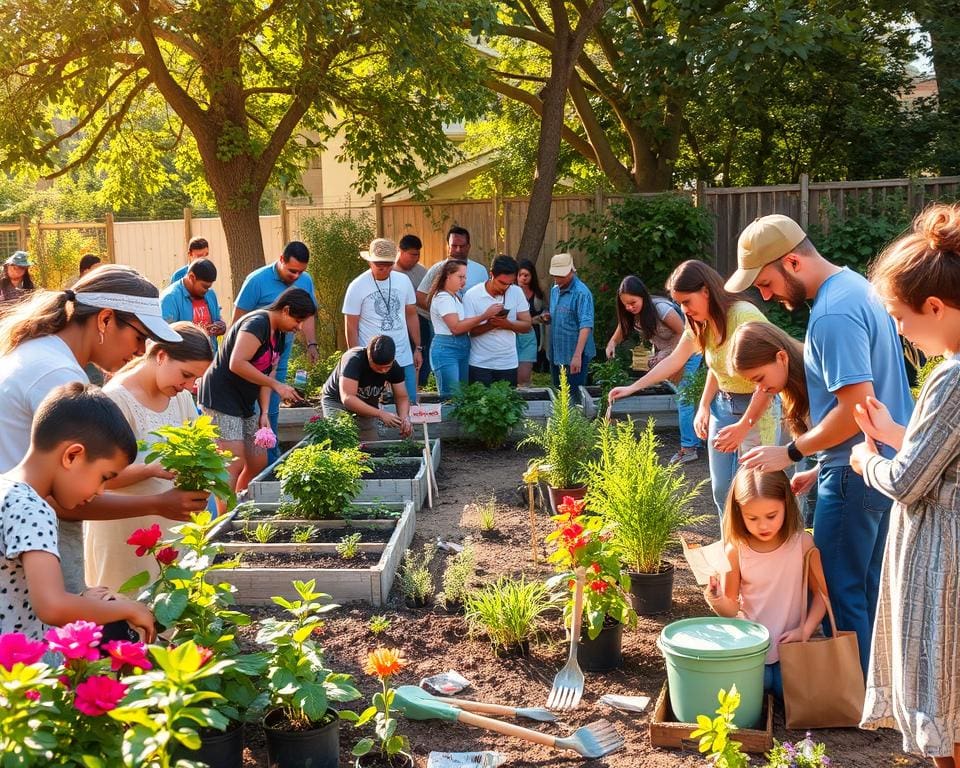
<point x="558" y="226"/>
<point x="430" y="221"/>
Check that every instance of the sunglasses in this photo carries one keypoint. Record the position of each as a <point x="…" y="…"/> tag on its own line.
<point x="143" y="333"/>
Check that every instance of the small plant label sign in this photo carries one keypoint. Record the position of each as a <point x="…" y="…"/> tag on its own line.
<point x="428" y="413"/>
<point x="707" y="561"/>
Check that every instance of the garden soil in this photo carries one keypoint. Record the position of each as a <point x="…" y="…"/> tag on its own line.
<point x="434" y="640"/>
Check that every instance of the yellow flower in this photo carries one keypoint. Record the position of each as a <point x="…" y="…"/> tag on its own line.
<point x="384" y="662"/>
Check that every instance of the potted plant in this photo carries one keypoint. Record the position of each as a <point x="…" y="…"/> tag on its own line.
<point x="567" y="440"/>
<point x="643" y="503"/>
<point x="322" y="481"/>
<point x="301" y="729"/>
<point x="580" y="542"/>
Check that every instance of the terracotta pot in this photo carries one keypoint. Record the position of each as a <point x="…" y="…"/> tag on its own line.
<point x="652" y="593"/>
<point x="557" y="494"/>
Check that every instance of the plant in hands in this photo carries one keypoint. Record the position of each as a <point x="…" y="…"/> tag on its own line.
<point x="264" y="438"/>
<point x="382" y="663"/>
<point x="190" y="452"/>
<point x="322" y="481"/>
<point x="580" y="541"/>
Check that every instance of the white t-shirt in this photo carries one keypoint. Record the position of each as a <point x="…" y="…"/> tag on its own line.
<point x="444" y="304"/>
<point x="497" y="349"/>
<point x="381" y="306"/>
<point x="27" y="375"/>
<point x="27" y="524"/>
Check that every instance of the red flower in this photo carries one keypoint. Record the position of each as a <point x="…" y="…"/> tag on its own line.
<point x="167" y="555"/>
<point x="314" y="418"/>
<point x="124" y="654"/>
<point x="98" y="695"/>
<point x="571" y="507"/>
<point x="599" y="585"/>
<point x="572" y="531"/>
<point x="32" y="695"/>
<point x="205" y="654"/>
<point x="575" y="544"/>
<point x="145" y="539"/>
<point x="595" y="567"/>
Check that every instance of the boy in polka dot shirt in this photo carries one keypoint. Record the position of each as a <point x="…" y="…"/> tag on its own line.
<point x="79" y="441"/>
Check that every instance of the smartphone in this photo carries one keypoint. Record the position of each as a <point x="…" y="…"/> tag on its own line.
<point x="503" y="312"/>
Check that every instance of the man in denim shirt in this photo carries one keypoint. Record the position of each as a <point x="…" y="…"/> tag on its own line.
<point x="571" y="329"/>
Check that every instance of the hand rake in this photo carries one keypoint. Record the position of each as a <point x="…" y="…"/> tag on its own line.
<point x="593" y="740"/>
<point x="568" y="684"/>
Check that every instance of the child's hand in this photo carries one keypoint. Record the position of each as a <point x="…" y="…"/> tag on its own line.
<point x="802" y="482"/>
<point x="140" y="617"/>
<point x="712" y="590"/>
<point x="875" y="421"/>
<point x="860" y="454"/>
<point x="793" y="636"/>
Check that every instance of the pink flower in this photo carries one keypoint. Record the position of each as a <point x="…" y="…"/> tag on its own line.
<point x="78" y="640"/>
<point x="17" y="648"/>
<point x="32" y="695"/>
<point x="264" y="438"/>
<point x="205" y="654"/>
<point x="99" y="694"/>
<point x="314" y="418"/>
<point x="145" y="539"/>
<point x="167" y="555"/>
<point x="125" y="654"/>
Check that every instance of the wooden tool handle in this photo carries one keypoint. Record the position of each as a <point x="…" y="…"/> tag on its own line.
<point x="479" y="706"/>
<point x="507" y="729"/>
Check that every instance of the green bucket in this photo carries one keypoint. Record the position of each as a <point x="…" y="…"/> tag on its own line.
<point x="706" y="654"/>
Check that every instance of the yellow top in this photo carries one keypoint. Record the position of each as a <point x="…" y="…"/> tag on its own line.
<point x="718" y="356"/>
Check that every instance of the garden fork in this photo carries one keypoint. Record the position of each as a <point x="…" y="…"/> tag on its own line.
<point x="568" y="684"/>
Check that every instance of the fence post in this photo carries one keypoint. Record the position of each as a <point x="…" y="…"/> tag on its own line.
<point x="378" y="212"/>
<point x="284" y="223"/>
<point x="187" y="227"/>
<point x="23" y="236"/>
<point x="108" y="229"/>
<point x="598" y="200"/>
<point x="804" y="201"/>
<point x="496" y="223"/>
<point x="700" y="200"/>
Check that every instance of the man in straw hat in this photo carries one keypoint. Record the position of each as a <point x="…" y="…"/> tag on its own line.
<point x="381" y="302"/>
<point x="851" y="351"/>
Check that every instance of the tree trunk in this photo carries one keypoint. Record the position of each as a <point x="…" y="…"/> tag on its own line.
<point x="241" y="227"/>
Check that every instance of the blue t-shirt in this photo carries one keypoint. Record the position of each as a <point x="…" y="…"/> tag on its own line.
<point x="261" y="288"/>
<point x="179" y="274"/>
<point x="851" y="339"/>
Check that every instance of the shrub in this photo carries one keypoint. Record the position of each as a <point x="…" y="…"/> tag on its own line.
<point x="690" y="389"/>
<point x="489" y="413"/>
<point x="509" y="611"/>
<point x="340" y="430"/>
<point x="457" y="576"/>
<point x="322" y="481"/>
<point x="317" y="374"/>
<point x="414" y="577"/>
<point x="608" y="374"/>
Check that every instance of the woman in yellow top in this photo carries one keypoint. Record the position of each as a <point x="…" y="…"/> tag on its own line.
<point x="733" y="413"/>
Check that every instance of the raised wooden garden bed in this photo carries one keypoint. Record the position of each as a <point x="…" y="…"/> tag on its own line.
<point x="291" y="420"/>
<point x="257" y="585"/>
<point x="659" y="401"/>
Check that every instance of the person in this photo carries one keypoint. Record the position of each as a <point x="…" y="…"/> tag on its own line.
<point x="357" y="382"/>
<point x="152" y="392"/>
<point x="46" y="341"/>
<point x="451" y="342"/>
<point x="87" y="262"/>
<point x="913" y="681"/>
<point x="571" y="324"/>
<point x="458" y="247"/>
<point x="660" y="324"/>
<point x="732" y="414"/>
<point x="408" y="263"/>
<point x="765" y="544"/>
<point x="16" y="280"/>
<point x="493" y="343"/>
<point x="851" y="351"/>
<point x="197" y="248"/>
<point x="529" y="343"/>
<point x="260" y="289"/>
<point x="377" y="303"/>
<point x="236" y="390"/>
<point x="77" y="442"/>
<point x="192" y="299"/>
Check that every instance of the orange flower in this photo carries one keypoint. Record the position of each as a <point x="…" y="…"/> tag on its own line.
<point x="384" y="662"/>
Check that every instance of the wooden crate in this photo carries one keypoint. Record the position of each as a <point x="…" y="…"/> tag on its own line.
<point x="256" y="586"/>
<point x="640" y="407"/>
<point x="665" y="731"/>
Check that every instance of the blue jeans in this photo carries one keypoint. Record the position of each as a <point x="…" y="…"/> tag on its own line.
<point x="726" y="409"/>
<point x="410" y="380"/>
<point x="576" y="380"/>
<point x="686" y="413"/>
<point x="426" y="336"/>
<point x="773" y="680"/>
<point x="450" y="359"/>
<point x="850" y="529"/>
<point x="274" y="409"/>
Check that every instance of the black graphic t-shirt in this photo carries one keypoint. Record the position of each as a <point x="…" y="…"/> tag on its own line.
<point x="355" y="365"/>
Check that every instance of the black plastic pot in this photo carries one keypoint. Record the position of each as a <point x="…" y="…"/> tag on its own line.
<point x="557" y="494"/>
<point x="316" y="748"/>
<point x="218" y="749"/>
<point x="652" y="593"/>
<point x="603" y="653"/>
<point x="373" y="760"/>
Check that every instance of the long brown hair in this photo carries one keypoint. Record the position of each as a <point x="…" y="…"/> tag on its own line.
<point x="756" y="344"/>
<point x="45" y="313"/>
<point x="194" y="345"/>
<point x="449" y="267"/>
<point x="692" y="276"/>
<point x="749" y="485"/>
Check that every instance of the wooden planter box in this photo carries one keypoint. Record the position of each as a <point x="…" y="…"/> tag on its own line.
<point x="665" y="731"/>
<point x="662" y="405"/>
<point x="256" y="586"/>
<point x="265" y="487"/>
<point x="291" y="420"/>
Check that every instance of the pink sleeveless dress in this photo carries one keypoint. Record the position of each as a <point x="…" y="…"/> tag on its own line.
<point x="771" y="586"/>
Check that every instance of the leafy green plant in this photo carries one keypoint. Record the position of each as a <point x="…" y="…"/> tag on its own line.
<point x="925" y="370"/>
<point x="567" y="439"/>
<point x="382" y="663"/>
<point x="509" y="612"/>
<point x="690" y="389"/>
<point x="488" y="414"/>
<point x="264" y="533"/>
<point x="457" y="576"/>
<point x="379" y="624"/>
<point x="487" y="514"/>
<point x="608" y="374"/>
<point x="642" y="501"/>
<point x="340" y="430"/>
<point x="302" y="534"/>
<point x="714" y="733"/>
<point x="349" y="546"/>
<point x="317" y="373"/>
<point x="322" y="481"/>
<point x="414" y="577"/>
<point x="190" y="451"/>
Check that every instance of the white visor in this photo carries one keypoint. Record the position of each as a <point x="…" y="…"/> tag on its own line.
<point x="146" y="309"/>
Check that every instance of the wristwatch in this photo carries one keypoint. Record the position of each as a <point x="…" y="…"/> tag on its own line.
<point x="419" y="349"/>
<point x="793" y="452"/>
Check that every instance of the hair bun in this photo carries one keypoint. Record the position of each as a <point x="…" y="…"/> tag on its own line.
<point x="939" y="226"/>
<point x="70" y="295"/>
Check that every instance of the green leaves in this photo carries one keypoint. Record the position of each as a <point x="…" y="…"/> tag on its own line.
<point x="322" y="481"/>
<point x="488" y="413"/>
<point x="169" y="606"/>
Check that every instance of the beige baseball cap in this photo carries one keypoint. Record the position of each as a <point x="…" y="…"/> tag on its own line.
<point x="561" y="265"/>
<point x="763" y="241"/>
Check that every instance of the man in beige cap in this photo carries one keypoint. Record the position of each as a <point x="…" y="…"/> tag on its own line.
<point x="381" y="302"/>
<point x="851" y="352"/>
<point x="571" y="330"/>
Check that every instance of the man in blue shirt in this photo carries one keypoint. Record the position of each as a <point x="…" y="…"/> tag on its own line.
<point x="260" y="288"/>
<point x="571" y="324"/>
<point x="851" y="350"/>
<point x="197" y="248"/>
<point x="458" y="247"/>
<point x="192" y="299"/>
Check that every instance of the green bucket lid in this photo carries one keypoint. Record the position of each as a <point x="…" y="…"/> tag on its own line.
<point x="714" y="637"/>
